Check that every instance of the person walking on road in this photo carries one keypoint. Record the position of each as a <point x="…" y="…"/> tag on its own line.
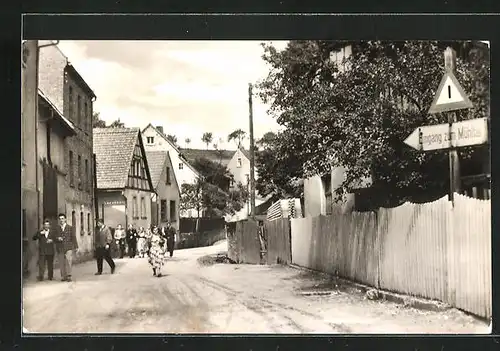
<point x="46" y="250"/>
<point x="120" y="236"/>
<point x="157" y="252"/>
<point x="66" y="246"/>
<point x="141" y="242"/>
<point x="132" y="241"/>
<point x="103" y="242"/>
<point x="170" y="237"/>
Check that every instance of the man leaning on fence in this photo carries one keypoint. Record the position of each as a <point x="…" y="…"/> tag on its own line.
<point x="66" y="244"/>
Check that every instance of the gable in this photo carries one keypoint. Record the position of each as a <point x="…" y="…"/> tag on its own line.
<point x="162" y="143"/>
<point x="139" y="176"/>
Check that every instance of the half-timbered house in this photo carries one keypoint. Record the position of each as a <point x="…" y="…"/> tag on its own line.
<point x="124" y="185"/>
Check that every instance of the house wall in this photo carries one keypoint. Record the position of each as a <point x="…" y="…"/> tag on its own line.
<point x="240" y="173"/>
<point x="143" y="218"/>
<point x="185" y="175"/>
<point x="168" y="192"/>
<point x="314" y="194"/>
<point x="29" y="195"/>
<point x="79" y="195"/>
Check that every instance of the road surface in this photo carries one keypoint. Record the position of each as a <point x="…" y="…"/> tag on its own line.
<point x="220" y="298"/>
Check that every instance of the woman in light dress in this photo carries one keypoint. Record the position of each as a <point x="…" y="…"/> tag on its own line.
<point x="157" y="252"/>
<point x="141" y="242"/>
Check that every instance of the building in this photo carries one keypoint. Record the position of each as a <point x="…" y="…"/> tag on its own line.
<point x="154" y="139"/>
<point x="319" y="191"/>
<point x="68" y="92"/>
<point x="30" y="213"/>
<point x="239" y="166"/>
<point x="53" y="130"/>
<point x="124" y="186"/>
<point x="166" y="200"/>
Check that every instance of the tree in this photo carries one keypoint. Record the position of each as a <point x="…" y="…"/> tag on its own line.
<point x="356" y="113"/>
<point x="187" y="141"/>
<point x="191" y="196"/>
<point x="280" y="173"/>
<point x="212" y="192"/>
<point x="207" y="138"/>
<point x="116" y="124"/>
<point x="172" y="138"/>
<point x="97" y="122"/>
<point x="237" y="136"/>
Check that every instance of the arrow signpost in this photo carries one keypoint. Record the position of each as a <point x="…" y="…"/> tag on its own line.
<point x="449" y="98"/>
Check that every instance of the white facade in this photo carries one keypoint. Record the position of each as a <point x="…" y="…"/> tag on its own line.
<point x="184" y="173"/>
<point x="239" y="166"/>
<point x="153" y="140"/>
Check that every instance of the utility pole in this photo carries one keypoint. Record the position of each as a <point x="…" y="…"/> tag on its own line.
<point x="450" y="63"/>
<point x="252" y="154"/>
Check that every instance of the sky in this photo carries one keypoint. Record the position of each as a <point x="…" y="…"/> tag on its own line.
<point x="188" y="87"/>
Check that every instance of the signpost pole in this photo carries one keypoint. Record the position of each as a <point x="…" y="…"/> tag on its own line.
<point x="450" y="60"/>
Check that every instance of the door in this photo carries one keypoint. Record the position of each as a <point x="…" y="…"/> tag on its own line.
<point x="49" y="192"/>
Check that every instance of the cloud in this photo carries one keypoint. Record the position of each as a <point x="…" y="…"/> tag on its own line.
<point x="189" y="87"/>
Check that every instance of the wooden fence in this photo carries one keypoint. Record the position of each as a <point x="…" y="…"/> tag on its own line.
<point x="431" y="250"/>
<point x="244" y="242"/>
<point x="277" y="233"/>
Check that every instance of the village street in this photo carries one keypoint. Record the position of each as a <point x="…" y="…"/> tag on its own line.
<point x="220" y="298"/>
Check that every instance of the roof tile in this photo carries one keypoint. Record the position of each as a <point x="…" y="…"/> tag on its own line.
<point x="156" y="162"/>
<point x="113" y="148"/>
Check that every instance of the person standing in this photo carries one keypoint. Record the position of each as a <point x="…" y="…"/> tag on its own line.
<point x="157" y="252"/>
<point x="120" y="240"/>
<point x="66" y="245"/>
<point x="103" y="247"/>
<point x="170" y="234"/>
<point x="46" y="250"/>
<point x="131" y="241"/>
<point x="141" y="242"/>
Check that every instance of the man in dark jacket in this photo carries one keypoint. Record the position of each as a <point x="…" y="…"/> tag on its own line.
<point x="66" y="246"/>
<point x="170" y="237"/>
<point x="132" y="241"/>
<point x="103" y="241"/>
<point x="46" y="250"/>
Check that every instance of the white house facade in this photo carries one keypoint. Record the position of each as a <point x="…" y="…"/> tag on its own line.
<point x="155" y="140"/>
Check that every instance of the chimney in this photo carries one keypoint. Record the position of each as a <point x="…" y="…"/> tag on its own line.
<point x="160" y="129"/>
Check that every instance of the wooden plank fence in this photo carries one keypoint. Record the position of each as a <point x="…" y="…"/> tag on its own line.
<point x="431" y="250"/>
<point x="244" y="242"/>
<point x="278" y="241"/>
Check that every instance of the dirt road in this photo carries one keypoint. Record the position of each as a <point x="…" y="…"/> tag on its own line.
<point x="221" y="298"/>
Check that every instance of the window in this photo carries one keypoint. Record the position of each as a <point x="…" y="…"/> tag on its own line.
<point x="87" y="176"/>
<point x="85" y="117"/>
<point x="90" y="117"/>
<point x="231" y="182"/>
<point x="135" y="211"/>
<point x="143" y="208"/>
<point x="88" y="223"/>
<point x="181" y="165"/>
<point x="150" y="139"/>
<point x="70" y="103"/>
<point x="70" y="170"/>
<point x="173" y="217"/>
<point x="82" y="222"/>
<point x="78" y="110"/>
<point x="163" y="210"/>
<point x="168" y="176"/>
<point x="79" y="172"/>
<point x="238" y="164"/>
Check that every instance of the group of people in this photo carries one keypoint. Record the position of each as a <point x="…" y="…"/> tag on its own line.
<point x="60" y="241"/>
<point x="153" y="243"/>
